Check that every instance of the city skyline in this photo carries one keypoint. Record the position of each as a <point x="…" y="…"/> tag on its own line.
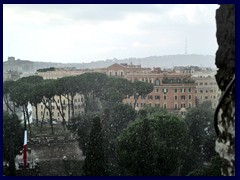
<point x="85" y="33"/>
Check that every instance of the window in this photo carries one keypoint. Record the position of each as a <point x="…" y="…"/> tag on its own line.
<point x="47" y="113"/>
<point x="189" y="97"/>
<point x="196" y="84"/>
<point x="58" y="101"/>
<point x="165" y="106"/>
<point x="137" y="104"/>
<point x="183" y="97"/>
<point x="164" y="90"/>
<point x="175" y="97"/>
<point x="157" y="90"/>
<point x="201" y="91"/>
<point x="206" y="97"/>
<point x="165" y="97"/>
<point x="182" y="90"/>
<point x="64" y="102"/>
<point x="189" y="90"/>
<point x="75" y="100"/>
<point x="206" y="91"/>
<point x="150" y="80"/>
<point x="157" y="97"/>
<point x="201" y="83"/>
<point x="64" y="107"/>
<point x="149" y="96"/>
<point x="79" y="106"/>
<point x="58" y="114"/>
<point x="206" y="83"/>
<point x="175" y="90"/>
<point x="157" y="82"/>
<point x="189" y="105"/>
<point x="110" y="73"/>
<point x="115" y="73"/>
<point x="196" y="91"/>
<point x="81" y="99"/>
<point x="78" y="99"/>
<point x="182" y="105"/>
<point x="75" y="107"/>
<point x="121" y="73"/>
<point x="175" y="106"/>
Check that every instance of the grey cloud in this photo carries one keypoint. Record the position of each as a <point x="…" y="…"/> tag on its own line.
<point x="96" y="12"/>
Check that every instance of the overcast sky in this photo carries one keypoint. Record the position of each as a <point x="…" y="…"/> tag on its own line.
<point x="85" y="33"/>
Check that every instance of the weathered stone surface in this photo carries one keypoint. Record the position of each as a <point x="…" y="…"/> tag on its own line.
<point x="225" y="61"/>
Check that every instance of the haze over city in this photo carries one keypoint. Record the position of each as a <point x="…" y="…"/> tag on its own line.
<point x="85" y="33"/>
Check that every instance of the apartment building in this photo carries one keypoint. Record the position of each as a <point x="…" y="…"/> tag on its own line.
<point x="206" y="88"/>
<point x="172" y="91"/>
<point x="56" y="115"/>
<point x="55" y="73"/>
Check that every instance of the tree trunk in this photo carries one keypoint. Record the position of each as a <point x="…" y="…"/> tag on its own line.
<point x="68" y="107"/>
<point x="42" y="118"/>
<point x="59" y="110"/>
<point x="50" y="114"/>
<point x="72" y="96"/>
<point x="36" y="106"/>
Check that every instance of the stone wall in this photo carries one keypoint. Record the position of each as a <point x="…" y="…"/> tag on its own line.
<point x="225" y="61"/>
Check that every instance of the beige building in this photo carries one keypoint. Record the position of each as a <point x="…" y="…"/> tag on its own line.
<point x="206" y="87"/>
<point x="172" y="91"/>
<point x="78" y="108"/>
<point x="55" y="73"/>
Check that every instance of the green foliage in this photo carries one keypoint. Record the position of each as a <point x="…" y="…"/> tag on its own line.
<point x="120" y="117"/>
<point x="46" y="69"/>
<point x="161" y="139"/>
<point x="95" y="162"/>
<point x="82" y="126"/>
<point x="116" y="89"/>
<point x="214" y="169"/>
<point x="202" y="137"/>
<point x="142" y="88"/>
<point x="12" y="138"/>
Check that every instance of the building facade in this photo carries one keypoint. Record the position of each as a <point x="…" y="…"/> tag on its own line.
<point x="172" y="91"/>
<point x="207" y="89"/>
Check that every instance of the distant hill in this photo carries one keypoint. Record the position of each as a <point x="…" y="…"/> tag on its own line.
<point x="152" y="61"/>
<point x="166" y="61"/>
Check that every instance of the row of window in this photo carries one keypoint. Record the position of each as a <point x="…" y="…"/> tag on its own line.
<point x="157" y="97"/>
<point x="206" y="97"/>
<point x="164" y="105"/>
<point x="205" y="83"/>
<point x="58" y="107"/>
<point x="115" y="73"/>
<point x="206" y="91"/>
<point x="58" y="114"/>
<point x="182" y="90"/>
